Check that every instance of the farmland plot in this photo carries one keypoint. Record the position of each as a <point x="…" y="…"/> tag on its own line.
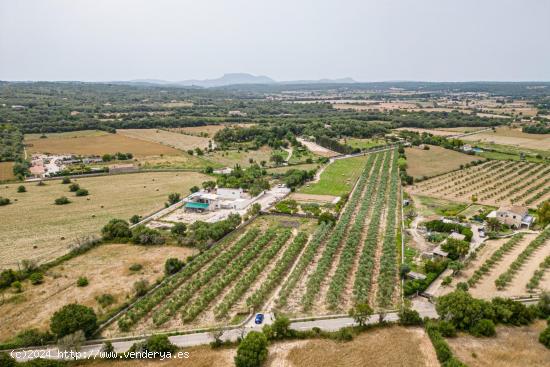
<point x="172" y="139"/>
<point x="289" y="265"/>
<point x="223" y="282"/>
<point x="6" y="171"/>
<point x="493" y="183"/>
<point x="357" y="260"/>
<point x="34" y="307"/>
<point x="505" y="267"/>
<point x="33" y="227"/>
<point x="93" y="142"/>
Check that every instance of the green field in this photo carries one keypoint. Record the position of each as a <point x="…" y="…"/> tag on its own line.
<point x="305" y="167"/>
<point x="363" y="143"/>
<point x="432" y="206"/>
<point x="338" y="178"/>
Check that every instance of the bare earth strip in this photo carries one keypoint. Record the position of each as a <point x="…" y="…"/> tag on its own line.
<point x="317" y="149"/>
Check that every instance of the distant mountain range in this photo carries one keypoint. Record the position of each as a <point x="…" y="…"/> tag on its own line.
<point x="235" y="79"/>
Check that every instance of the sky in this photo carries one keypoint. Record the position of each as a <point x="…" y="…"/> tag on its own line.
<point x="428" y="40"/>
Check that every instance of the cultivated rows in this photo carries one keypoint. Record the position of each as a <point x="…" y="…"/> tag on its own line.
<point x="255" y="269"/>
<point x="493" y="183"/>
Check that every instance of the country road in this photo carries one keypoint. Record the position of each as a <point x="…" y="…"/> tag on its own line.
<point x="188" y="340"/>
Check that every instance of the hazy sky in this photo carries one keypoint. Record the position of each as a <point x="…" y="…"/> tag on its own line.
<point x="99" y="40"/>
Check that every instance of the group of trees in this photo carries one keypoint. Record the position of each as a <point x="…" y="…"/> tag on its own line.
<point x="253" y="179"/>
<point x="118" y="156"/>
<point x="440" y="226"/>
<point x="540" y="128"/>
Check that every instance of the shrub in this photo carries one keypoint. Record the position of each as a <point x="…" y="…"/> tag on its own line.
<point x="105" y="300"/>
<point x="160" y="344"/>
<point x="408" y="316"/>
<point x="66" y="181"/>
<point x="173" y="198"/>
<point x="32" y="337"/>
<point x="62" y="201"/>
<point x="281" y="327"/>
<point x="326" y="217"/>
<point x="17" y="286"/>
<point x="508" y="311"/>
<point x="252" y="350"/>
<point x="73" y="317"/>
<point x="135" y="267"/>
<point x="142" y="235"/>
<point x="21" y="188"/>
<point x="178" y="229"/>
<point x="116" y="229"/>
<point x="36" y="278"/>
<point x="442" y="349"/>
<point x="81" y="192"/>
<point x="446" y="329"/>
<point x="134" y="219"/>
<point x="544" y="305"/>
<point x="74" y="187"/>
<point x="463" y="310"/>
<point x="343" y="335"/>
<point x="82" y="282"/>
<point x="72" y="341"/>
<point x="544" y="337"/>
<point x="455" y="248"/>
<point x="483" y="327"/>
<point x="4" y="201"/>
<point x="173" y="265"/>
<point x="141" y="287"/>
<point x="6" y="360"/>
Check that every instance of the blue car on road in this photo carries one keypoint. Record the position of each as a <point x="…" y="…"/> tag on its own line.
<point x="259" y="318"/>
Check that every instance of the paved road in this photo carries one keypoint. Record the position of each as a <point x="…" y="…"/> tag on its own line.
<point x="187" y="340"/>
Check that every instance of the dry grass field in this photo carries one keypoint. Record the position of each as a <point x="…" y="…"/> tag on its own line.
<point x="210" y="130"/>
<point x="512" y="347"/>
<point x="200" y="356"/>
<point x="95" y="143"/>
<point x="434" y="161"/>
<point x="512" y="136"/>
<point x="394" y="346"/>
<point x="6" y="171"/>
<point x="172" y="139"/>
<point x="230" y="158"/>
<point x="34" y="220"/>
<point x="390" y="347"/>
<point x="438" y="132"/>
<point x="34" y="307"/>
<point x="494" y="183"/>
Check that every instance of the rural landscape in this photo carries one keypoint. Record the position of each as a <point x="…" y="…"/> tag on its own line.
<point x="149" y="219"/>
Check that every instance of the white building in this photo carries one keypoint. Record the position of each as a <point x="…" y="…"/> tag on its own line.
<point x="223" y="199"/>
